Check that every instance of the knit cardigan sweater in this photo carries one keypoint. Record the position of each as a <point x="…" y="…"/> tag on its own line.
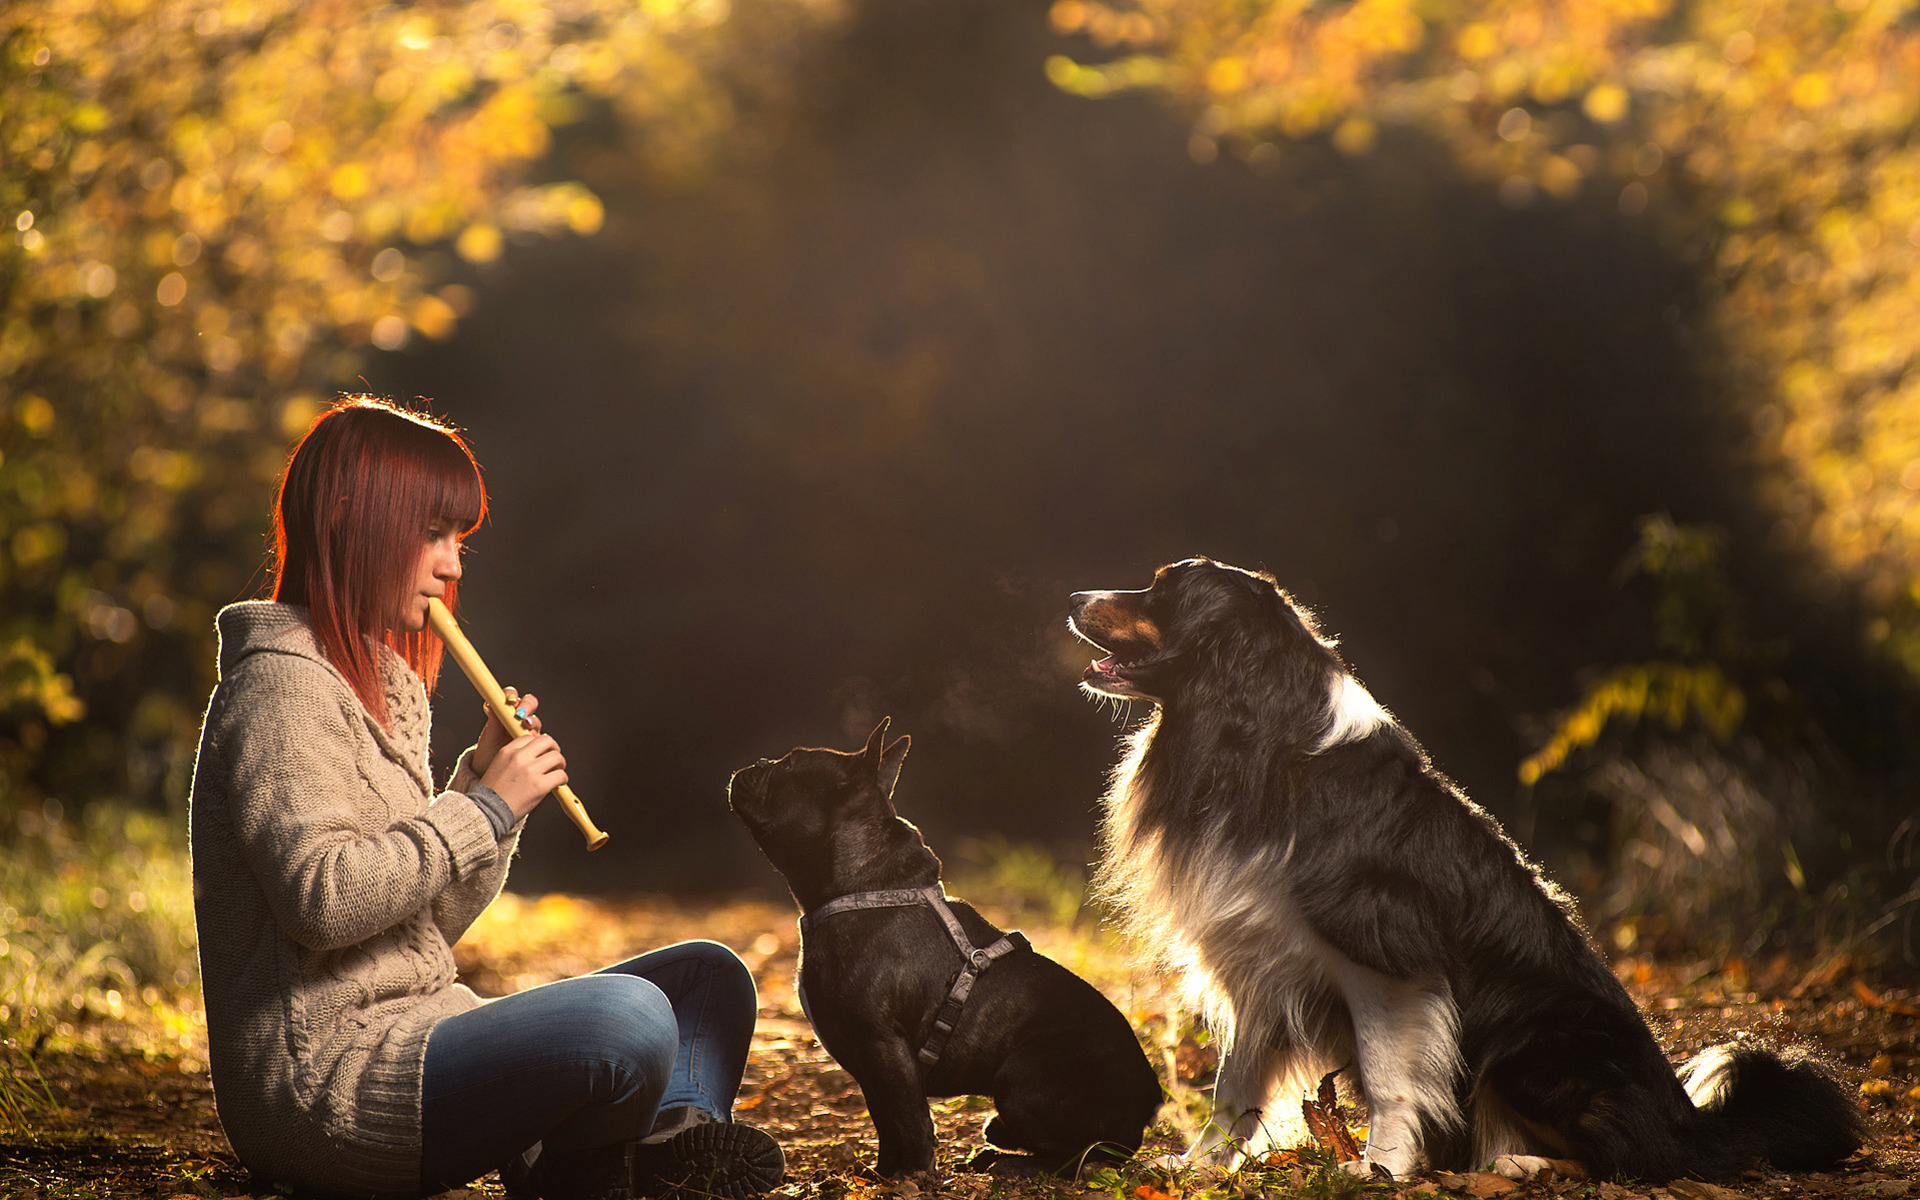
<point x="330" y="883"/>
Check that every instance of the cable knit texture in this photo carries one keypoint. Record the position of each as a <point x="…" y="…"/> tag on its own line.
<point x="330" y="884"/>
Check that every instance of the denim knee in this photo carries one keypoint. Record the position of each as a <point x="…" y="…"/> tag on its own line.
<point x="730" y="975"/>
<point x="625" y="1021"/>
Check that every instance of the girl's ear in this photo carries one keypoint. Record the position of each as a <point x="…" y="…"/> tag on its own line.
<point x="890" y="763"/>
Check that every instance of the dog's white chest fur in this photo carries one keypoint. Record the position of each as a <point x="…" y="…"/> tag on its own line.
<point x="1286" y="1005"/>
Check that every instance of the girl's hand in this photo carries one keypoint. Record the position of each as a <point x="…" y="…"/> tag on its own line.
<point x="494" y="735"/>
<point x="524" y="770"/>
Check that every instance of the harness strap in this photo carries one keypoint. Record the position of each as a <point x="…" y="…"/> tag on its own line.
<point x="978" y="958"/>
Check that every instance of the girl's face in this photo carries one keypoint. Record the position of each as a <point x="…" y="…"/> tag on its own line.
<point x="436" y="567"/>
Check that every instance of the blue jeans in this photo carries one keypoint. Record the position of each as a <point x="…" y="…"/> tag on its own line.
<point x="585" y="1062"/>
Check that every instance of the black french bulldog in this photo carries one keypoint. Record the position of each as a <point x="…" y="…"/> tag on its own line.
<point x="1062" y="1065"/>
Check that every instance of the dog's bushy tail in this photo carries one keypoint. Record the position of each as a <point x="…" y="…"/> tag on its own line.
<point x="1761" y="1102"/>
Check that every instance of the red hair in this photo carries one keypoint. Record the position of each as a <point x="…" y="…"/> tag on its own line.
<point x="350" y="521"/>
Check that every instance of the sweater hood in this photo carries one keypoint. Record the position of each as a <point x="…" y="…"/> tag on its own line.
<point x="266" y="627"/>
<point x="254" y="627"/>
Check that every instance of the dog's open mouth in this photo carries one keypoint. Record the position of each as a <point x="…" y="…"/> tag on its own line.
<point x="1106" y="674"/>
<point x="1130" y="645"/>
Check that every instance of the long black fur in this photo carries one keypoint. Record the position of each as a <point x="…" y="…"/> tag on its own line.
<point x="1369" y="875"/>
<point x="1067" y="1076"/>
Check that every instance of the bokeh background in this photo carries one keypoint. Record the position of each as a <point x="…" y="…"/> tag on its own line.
<point x="1562" y="358"/>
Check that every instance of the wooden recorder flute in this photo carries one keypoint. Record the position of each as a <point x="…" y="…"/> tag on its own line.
<point x="490" y="690"/>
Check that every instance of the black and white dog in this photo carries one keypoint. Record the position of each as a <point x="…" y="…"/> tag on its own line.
<point x="1334" y="902"/>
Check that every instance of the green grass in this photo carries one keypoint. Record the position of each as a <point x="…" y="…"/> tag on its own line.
<point x="96" y="936"/>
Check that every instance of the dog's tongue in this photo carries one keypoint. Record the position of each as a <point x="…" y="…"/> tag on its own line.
<point x="1098" y="666"/>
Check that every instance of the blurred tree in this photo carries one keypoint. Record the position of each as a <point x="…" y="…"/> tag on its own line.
<point x="212" y="209"/>
<point x="1774" y="143"/>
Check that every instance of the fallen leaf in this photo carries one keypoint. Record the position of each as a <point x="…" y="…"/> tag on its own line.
<point x="1821" y="976"/>
<point x="1327" y="1126"/>
<point x="1695" y="1189"/>
<point x="1477" y="1183"/>
<point x="1567" y="1168"/>
<point x="1873" y="999"/>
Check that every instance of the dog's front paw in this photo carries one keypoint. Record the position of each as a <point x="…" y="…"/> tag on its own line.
<point x="1528" y="1166"/>
<point x="1361" y="1168"/>
<point x="1008" y="1165"/>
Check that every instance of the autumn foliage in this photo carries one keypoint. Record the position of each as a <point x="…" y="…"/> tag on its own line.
<point x="211" y="210"/>
<point x="1772" y="144"/>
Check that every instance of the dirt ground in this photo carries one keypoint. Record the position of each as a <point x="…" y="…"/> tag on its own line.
<point x="136" y="1115"/>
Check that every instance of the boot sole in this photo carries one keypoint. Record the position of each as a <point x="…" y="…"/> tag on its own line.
<point x="736" y="1162"/>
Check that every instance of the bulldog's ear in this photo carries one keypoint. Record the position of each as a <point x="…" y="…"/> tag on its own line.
<point x="891" y="762"/>
<point x="876" y="740"/>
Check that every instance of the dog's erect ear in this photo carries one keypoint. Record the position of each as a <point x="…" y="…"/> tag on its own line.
<point x="876" y="740"/>
<point x="890" y="764"/>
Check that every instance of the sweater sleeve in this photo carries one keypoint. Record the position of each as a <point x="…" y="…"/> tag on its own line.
<point x="461" y="902"/>
<point x="291" y="745"/>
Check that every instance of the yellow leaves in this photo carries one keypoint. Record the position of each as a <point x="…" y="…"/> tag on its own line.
<point x="38" y="544"/>
<point x="350" y="181"/>
<point x="1227" y="75"/>
<point x="1812" y="90"/>
<point x="435" y="318"/>
<point x="296" y="413"/>
<point x="168" y="469"/>
<point x="1126" y="74"/>
<point x="1606" y="103"/>
<point x="1106" y="25"/>
<point x="417" y="33"/>
<point x="1380" y="27"/>
<point x="1476" y="42"/>
<point x="479" y="243"/>
<point x="583" y="212"/>
<point x="1355" y="136"/>
<point x="1667" y="691"/>
<point x="88" y="118"/>
<point x="29" y="681"/>
<point x="34" y="415"/>
<point x="1561" y="176"/>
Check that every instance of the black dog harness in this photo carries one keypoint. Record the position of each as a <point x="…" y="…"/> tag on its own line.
<point x="978" y="958"/>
